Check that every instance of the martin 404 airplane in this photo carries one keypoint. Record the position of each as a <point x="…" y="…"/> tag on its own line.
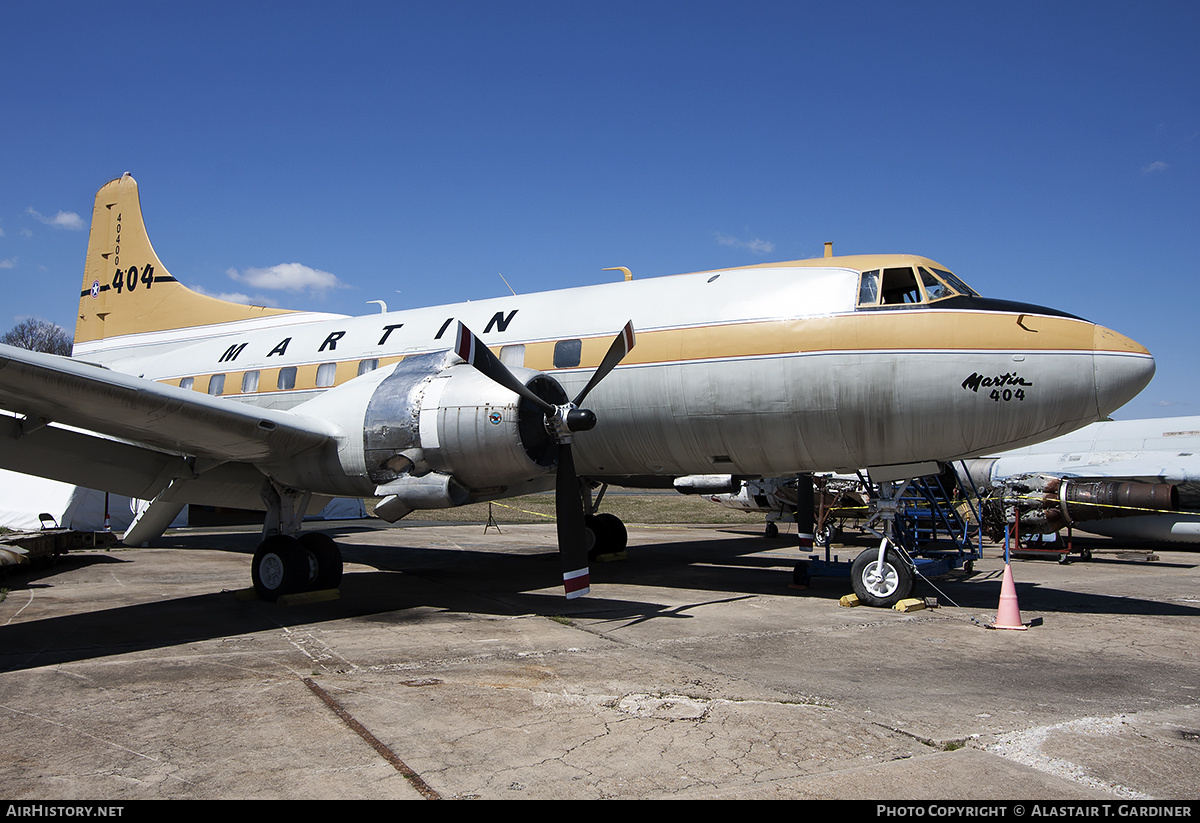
<point x="831" y="364"/>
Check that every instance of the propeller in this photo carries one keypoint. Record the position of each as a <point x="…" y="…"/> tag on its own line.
<point x="562" y="422"/>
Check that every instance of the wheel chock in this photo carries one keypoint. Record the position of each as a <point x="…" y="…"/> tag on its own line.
<point x="910" y="604"/>
<point x="850" y="600"/>
<point x="315" y="596"/>
<point x="294" y="599"/>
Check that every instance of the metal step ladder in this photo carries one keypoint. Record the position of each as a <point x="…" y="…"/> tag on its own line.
<point x="929" y="526"/>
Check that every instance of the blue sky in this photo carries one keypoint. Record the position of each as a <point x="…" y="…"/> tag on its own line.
<point x="313" y="155"/>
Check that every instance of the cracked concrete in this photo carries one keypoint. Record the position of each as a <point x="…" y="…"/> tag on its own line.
<point x="692" y="671"/>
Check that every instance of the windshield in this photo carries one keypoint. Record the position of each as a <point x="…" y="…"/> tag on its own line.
<point x="901" y="286"/>
<point x="956" y="284"/>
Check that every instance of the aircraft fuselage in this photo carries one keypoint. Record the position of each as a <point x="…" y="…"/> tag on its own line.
<point x="764" y="371"/>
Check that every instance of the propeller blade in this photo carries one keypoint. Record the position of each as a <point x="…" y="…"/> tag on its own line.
<point x="563" y="422"/>
<point x="620" y="347"/>
<point x="572" y="535"/>
<point x="471" y="348"/>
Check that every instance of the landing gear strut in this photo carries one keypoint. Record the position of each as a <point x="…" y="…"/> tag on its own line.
<point x="287" y="561"/>
<point x="883" y="576"/>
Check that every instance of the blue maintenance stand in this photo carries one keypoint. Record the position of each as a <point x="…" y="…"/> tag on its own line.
<point x="933" y="536"/>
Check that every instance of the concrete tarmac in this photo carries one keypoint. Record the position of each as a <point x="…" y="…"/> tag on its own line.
<point x="451" y="667"/>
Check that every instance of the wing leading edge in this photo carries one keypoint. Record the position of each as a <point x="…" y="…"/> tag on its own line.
<point x="46" y="388"/>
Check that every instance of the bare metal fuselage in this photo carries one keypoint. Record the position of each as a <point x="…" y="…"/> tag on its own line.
<point x="763" y="371"/>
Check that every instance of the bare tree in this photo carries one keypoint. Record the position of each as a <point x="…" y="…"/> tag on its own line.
<point x="39" y="335"/>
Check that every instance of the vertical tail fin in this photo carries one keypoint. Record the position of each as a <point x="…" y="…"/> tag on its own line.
<point x="127" y="290"/>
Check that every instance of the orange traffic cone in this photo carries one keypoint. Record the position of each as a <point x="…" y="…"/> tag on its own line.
<point x="1008" y="616"/>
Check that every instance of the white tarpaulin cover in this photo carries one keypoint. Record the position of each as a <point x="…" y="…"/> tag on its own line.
<point x="343" y="508"/>
<point x="23" y="498"/>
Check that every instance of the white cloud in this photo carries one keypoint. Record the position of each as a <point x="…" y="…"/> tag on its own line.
<point x="236" y="297"/>
<point x="10" y="263"/>
<point x="756" y="245"/>
<point x="287" y="277"/>
<point x="62" y="220"/>
<point x="1156" y="166"/>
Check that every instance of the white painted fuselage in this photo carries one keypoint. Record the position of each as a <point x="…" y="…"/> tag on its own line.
<point x="756" y="371"/>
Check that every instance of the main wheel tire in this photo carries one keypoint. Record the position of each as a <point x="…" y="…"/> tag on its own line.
<point x="326" y="557"/>
<point x="280" y="567"/>
<point x="881" y="587"/>
<point x="609" y="533"/>
<point x="592" y="537"/>
<point x="616" y="536"/>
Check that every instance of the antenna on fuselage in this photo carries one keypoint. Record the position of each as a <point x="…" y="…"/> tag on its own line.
<point x="510" y="288"/>
<point x="829" y="249"/>
<point x="382" y="305"/>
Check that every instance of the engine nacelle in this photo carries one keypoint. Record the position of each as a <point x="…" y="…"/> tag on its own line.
<point x="1045" y="503"/>
<point x="429" y="414"/>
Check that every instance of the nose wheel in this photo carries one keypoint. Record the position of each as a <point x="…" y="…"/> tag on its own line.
<point x="881" y="578"/>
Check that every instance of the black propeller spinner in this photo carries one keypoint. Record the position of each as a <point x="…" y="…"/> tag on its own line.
<point x="562" y="422"/>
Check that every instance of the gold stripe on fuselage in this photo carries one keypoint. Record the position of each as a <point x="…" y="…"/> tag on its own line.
<point x="897" y="330"/>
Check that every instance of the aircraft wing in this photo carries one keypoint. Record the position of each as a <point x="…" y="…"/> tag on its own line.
<point x="48" y="388"/>
<point x="1150" y="468"/>
<point x="1157" y="466"/>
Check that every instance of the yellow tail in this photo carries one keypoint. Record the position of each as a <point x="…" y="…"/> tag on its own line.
<point x="127" y="290"/>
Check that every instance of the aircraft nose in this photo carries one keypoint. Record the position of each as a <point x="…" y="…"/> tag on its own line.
<point x="1122" y="368"/>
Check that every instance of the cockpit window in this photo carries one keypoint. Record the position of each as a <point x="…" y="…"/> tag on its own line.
<point x="934" y="289"/>
<point x="868" y="289"/>
<point x="908" y="286"/>
<point x="900" y="286"/>
<point x="956" y="284"/>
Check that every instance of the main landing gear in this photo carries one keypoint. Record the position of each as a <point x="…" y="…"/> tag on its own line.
<point x="605" y="533"/>
<point x="287" y="562"/>
<point x="286" y="565"/>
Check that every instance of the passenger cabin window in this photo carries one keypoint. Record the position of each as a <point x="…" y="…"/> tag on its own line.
<point x="250" y="382"/>
<point x="216" y="384"/>
<point x="287" y="379"/>
<point x="187" y="382"/>
<point x="365" y="366"/>
<point x="567" y="353"/>
<point x="513" y="355"/>
<point x="326" y="375"/>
